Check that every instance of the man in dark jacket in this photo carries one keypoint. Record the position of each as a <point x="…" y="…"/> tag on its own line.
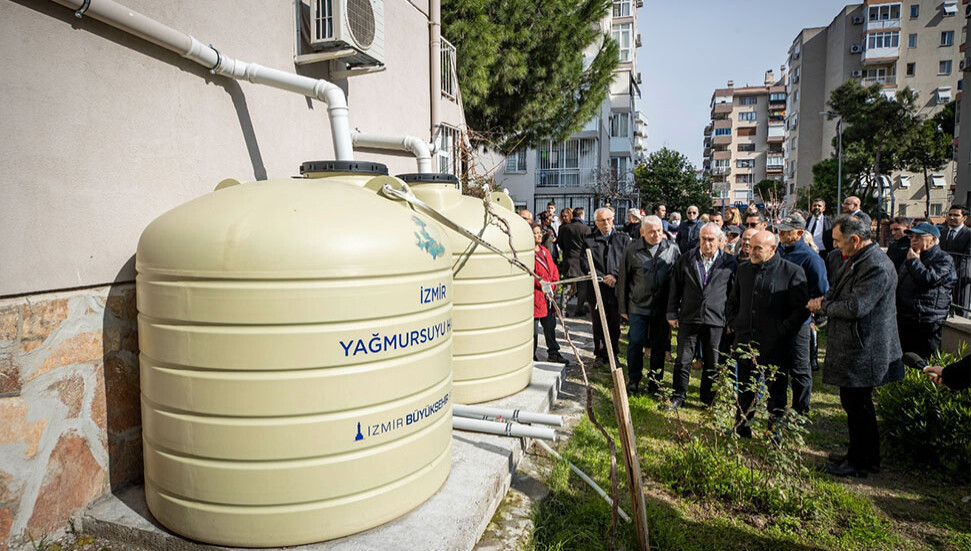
<point x="795" y="250"/>
<point x="688" y="230"/>
<point x="607" y="245"/>
<point x="570" y="242"/>
<point x="899" y="241"/>
<point x="820" y="227"/>
<point x="956" y="240"/>
<point x="863" y="347"/>
<point x="633" y="225"/>
<point x="766" y="309"/>
<point x="645" y="278"/>
<point x="696" y="307"/>
<point x="924" y="283"/>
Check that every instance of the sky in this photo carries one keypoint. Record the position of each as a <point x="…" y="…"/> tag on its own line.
<point x="691" y="47"/>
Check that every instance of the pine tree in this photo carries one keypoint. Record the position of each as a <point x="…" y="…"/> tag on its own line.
<point x="521" y="68"/>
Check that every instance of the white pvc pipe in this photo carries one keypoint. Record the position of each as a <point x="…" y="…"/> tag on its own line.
<point x="585" y="478"/>
<point x="511" y="414"/>
<point x="435" y="62"/>
<point x="134" y="23"/>
<point x="502" y="429"/>
<point x="415" y="146"/>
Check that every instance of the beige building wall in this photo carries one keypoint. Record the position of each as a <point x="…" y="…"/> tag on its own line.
<point x="849" y="55"/>
<point x="962" y="130"/>
<point x="103" y="132"/>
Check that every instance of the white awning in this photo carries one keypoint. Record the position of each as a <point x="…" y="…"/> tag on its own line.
<point x="937" y="181"/>
<point x="950" y="7"/>
<point x="904" y="180"/>
<point x="944" y="94"/>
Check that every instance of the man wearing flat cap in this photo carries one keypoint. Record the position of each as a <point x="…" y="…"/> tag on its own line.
<point x="924" y="284"/>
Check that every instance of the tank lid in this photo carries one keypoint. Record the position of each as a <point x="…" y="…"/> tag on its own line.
<point x="429" y="177"/>
<point x="361" y="167"/>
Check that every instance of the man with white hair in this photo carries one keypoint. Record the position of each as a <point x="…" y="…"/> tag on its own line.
<point x="645" y="277"/>
<point x="633" y="226"/>
<point x="688" y="230"/>
<point x="696" y="307"/>
<point x="607" y="246"/>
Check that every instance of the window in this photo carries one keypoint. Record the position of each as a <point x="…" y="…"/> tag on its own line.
<point x="622" y="34"/>
<point x="884" y="12"/>
<point x="620" y="125"/>
<point x="777" y="96"/>
<point x="723" y="131"/>
<point x="795" y="97"/>
<point x="911" y="69"/>
<point x="947" y="38"/>
<point x="944" y="68"/>
<point x="889" y="39"/>
<point x="747" y="116"/>
<point x="792" y="144"/>
<point x="936" y="209"/>
<point x="748" y="100"/>
<point x="744" y="178"/>
<point x="448" y="150"/>
<point x="566" y="164"/>
<point x="745" y="163"/>
<point x="937" y="181"/>
<point x="914" y="11"/>
<point x="516" y="162"/>
<point x="912" y="40"/>
<point x="619" y="168"/>
<point x="621" y="8"/>
<point x="746" y="147"/>
<point x="746" y="131"/>
<point x="950" y="8"/>
<point x="742" y="194"/>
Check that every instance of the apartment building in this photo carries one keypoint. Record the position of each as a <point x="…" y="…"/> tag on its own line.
<point x="962" y="127"/>
<point x="573" y="172"/>
<point x="743" y="143"/>
<point x="105" y="131"/>
<point x="896" y="44"/>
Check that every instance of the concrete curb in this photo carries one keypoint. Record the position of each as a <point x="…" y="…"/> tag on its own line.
<point x="453" y="519"/>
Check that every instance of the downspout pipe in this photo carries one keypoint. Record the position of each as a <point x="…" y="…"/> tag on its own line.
<point x="146" y="28"/>
<point x="435" y="63"/>
<point x="416" y="146"/>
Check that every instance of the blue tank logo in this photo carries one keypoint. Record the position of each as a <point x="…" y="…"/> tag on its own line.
<point x="426" y="242"/>
<point x="418" y="415"/>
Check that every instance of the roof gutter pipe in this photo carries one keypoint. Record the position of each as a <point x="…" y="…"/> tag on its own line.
<point x="132" y="22"/>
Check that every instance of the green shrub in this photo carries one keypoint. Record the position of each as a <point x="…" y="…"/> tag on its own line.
<point x="927" y="424"/>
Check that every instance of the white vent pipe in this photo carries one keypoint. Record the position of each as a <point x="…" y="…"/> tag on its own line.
<point x="416" y="146"/>
<point x="503" y="429"/>
<point x="435" y="63"/>
<point x="479" y="412"/>
<point x="132" y="22"/>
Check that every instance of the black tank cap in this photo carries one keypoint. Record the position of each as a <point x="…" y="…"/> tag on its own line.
<point x="362" y="167"/>
<point x="429" y="177"/>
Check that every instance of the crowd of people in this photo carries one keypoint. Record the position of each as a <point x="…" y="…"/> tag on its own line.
<point x="728" y="281"/>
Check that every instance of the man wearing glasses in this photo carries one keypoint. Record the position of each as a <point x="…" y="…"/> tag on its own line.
<point x="956" y="240"/>
<point x="754" y="220"/>
<point x="607" y="247"/>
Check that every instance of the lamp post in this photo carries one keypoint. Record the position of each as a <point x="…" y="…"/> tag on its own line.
<point x="839" y="154"/>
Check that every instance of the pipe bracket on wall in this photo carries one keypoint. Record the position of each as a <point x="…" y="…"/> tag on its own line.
<point x="219" y="60"/>
<point x="84" y="7"/>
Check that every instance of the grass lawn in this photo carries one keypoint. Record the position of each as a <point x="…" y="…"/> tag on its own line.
<point x="699" y="502"/>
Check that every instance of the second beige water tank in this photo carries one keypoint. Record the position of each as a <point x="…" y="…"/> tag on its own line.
<point x="493" y="300"/>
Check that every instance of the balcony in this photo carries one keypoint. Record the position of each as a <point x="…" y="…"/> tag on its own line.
<point x="721" y="109"/>
<point x="880" y="55"/>
<point x="721" y="170"/>
<point x="882" y="79"/>
<point x="707" y="152"/>
<point x="775" y="164"/>
<point x="450" y="83"/>
<point x="708" y="130"/>
<point x="883" y="25"/>
<point x="777" y="133"/>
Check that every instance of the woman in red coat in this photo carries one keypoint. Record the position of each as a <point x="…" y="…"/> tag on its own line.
<point x="542" y="310"/>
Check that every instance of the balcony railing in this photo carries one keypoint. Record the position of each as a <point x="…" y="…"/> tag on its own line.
<point x="721" y="170"/>
<point x="886" y="79"/>
<point x="450" y="83"/>
<point x="870" y="54"/>
<point x="879" y="25"/>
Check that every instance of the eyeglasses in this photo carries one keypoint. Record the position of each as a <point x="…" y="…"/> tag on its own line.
<point x="752" y="224"/>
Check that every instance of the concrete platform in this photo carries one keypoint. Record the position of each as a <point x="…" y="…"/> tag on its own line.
<point x="451" y="520"/>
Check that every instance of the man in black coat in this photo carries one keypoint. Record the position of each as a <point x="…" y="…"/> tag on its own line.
<point x="688" y="230"/>
<point x="645" y="279"/>
<point x="956" y="240"/>
<point x="820" y="227"/>
<point x="863" y="351"/>
<point x="696" y="307"/>
<point x="899" y="240"/>
<point x="766" y="309"/>
<point x="851" y="206"/>
<point x="570" y="241"/>
<point x="607" y="246"/>
<point x="924" y="283"/>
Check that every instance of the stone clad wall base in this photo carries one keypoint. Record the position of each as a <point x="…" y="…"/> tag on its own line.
<point x="70" y="423"/>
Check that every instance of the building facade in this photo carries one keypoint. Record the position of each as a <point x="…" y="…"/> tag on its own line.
<point x="743" y="143"/>
<point x="911" y="44"/>
<point x="596" y="163"/>
<point x="104" y="132"/>
<point x="962" y="127"/>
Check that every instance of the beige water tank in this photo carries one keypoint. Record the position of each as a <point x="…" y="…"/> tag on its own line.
<point x="493" y="301"/>
<point x="295" y="360"/>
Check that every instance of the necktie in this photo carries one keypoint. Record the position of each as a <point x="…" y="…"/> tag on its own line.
<point x="812" y="228"/>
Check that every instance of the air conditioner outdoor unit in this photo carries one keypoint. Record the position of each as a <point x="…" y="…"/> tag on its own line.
<point x="354" y="24"/>
<point x="856" y="48"/>
<point x="857" y="74"/>
<point x="857" y="20"/>
<point x="966" y="62"/>
<point x="638" y="78"/>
